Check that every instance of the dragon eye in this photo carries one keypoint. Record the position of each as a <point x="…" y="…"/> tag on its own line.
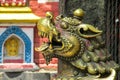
<point x="64" y="25"/>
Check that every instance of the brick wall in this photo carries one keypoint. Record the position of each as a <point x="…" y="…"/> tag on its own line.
<point x="40" y="9"/>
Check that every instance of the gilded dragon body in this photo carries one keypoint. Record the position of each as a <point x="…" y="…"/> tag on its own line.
<point x="79" y="45"/>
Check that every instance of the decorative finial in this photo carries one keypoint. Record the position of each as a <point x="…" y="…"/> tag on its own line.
<point x="78" y="13"/>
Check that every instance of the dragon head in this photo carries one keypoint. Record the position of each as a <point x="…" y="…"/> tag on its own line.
<point x="46" y="28"/>
<point x="59" y="45"/>
<point x="67" y="43"/>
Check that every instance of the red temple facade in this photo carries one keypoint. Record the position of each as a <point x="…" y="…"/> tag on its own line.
<point x="39" y="9"/>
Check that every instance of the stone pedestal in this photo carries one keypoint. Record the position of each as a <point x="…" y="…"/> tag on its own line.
<point x="27" y="75"/>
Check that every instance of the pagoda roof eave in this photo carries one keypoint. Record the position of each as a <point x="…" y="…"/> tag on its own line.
<point x="17" y="15"/>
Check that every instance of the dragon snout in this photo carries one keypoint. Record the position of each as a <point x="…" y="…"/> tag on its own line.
<point x="42" y="47"/>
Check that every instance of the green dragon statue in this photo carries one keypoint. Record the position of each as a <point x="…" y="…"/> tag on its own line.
<point x="79" y="46"/>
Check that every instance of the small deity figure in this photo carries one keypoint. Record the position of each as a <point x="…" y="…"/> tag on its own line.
<point x="12" y="46"/>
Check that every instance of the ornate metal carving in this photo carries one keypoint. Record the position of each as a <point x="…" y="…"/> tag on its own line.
<point x="79" y="46"/>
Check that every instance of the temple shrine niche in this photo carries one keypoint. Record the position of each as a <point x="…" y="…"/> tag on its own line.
<point x="13" y="50"/>
<point x="17" y="36"/>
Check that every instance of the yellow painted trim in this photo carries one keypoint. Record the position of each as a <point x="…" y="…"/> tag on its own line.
<point x="15" y="10"/>
<point x="17" y="14"/>
<point x="18" y="21"/>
